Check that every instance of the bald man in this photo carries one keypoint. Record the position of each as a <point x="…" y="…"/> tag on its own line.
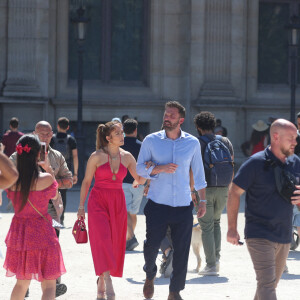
<point x="268" y="216"/>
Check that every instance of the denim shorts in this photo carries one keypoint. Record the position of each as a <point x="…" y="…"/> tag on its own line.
<point x="296" y="216"/>
<point x="133" y="197"/>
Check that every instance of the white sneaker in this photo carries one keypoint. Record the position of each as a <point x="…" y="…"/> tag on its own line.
<point x="209" y="271"/>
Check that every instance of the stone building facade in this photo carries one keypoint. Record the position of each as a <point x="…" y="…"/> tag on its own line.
<point x="204" y="53"/>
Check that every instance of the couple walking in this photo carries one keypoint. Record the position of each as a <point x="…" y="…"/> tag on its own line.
<point x="165" y="158"/>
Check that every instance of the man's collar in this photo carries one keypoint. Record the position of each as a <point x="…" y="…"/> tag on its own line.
<point x="164" y="135"/>
<point x="271" y="156"/>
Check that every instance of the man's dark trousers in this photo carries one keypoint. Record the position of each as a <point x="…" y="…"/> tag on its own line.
<point x="180" y="220"/>
<point x="63" y="193"/>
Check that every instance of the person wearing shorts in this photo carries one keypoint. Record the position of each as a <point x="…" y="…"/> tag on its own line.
<point x="133" y="196"/>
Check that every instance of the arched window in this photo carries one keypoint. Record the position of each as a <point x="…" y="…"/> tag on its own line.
<point x="116" y="42"/>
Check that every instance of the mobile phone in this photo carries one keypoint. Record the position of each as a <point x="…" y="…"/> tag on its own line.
<point x="43" y="151"/>
<point x="240" y="243"/>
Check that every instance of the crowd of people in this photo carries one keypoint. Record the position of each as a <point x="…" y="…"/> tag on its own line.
<point x="176" y="171"/>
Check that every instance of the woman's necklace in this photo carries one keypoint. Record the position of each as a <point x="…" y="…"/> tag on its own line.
<point x="114" y="177"/>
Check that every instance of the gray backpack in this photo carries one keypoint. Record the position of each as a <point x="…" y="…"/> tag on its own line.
<point x="62" y="145"/>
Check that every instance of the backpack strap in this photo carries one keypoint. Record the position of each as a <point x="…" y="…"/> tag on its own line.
<point x="205" y="139"/>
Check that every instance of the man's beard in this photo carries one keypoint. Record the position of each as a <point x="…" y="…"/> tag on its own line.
<point x="170" y="126"/>
<point x="287" y="152"/>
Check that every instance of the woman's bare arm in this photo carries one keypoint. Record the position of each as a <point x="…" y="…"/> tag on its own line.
<point x="8" y="172"/>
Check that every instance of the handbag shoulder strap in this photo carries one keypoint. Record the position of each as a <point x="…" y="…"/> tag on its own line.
<point x="37" y="211"/>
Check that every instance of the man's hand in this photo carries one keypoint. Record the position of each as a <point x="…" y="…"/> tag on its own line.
<point x="296" y="198"/>
<point x="146" y="190"/>
<point x="46" y="163"/>
<point x="233" y="237"/>
<point x="201" y="210"/>
<point x="149" y="164"/>
<point x="194" y="199"/>
<point x="75" y="179"/>
<point x="168" y="168"/>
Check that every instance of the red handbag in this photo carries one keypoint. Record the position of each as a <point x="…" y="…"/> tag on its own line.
<point x="79" y="232"/>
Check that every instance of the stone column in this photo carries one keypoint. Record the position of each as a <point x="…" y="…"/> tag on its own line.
<point x="217" y="49"/>
<point x="21" y="65"/>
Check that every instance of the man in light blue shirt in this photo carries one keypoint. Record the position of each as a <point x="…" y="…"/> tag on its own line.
<point x="172" y="153"/>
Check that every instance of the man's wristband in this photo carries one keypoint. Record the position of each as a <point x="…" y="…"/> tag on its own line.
<point x="75" y="175"/>
<point x="204" y="201"/>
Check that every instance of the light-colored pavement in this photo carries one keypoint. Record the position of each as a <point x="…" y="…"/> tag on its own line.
<point x="236" y="280"/>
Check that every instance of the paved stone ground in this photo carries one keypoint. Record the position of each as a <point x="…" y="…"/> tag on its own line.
<point x="236" y="280"/>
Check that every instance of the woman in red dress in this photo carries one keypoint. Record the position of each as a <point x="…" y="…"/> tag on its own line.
<point x="259" y="137"/>
<point x="107" y="215"/>
<point x="33" y="250"/>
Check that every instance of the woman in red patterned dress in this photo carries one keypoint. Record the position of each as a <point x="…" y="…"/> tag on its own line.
<point x="107" y="215"/>
<point x="33" y="250"/>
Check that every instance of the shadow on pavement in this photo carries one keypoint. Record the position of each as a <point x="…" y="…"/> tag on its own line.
<point x="134" y="252"/>
<point x="287" y="276"/>
<point x="131" y="280"/>
<point x="294" y="255"/>
<point x="207" y="280"/>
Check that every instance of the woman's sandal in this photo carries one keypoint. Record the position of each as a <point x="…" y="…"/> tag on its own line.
<point x="101" y="290"/>
<point x="110" y="293"/>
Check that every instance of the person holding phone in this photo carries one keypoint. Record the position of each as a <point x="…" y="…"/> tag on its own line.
<point x="31" y="234"/>
<point x="62" y="175"/>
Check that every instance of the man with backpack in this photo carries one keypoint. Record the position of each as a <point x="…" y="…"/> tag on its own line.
<point x="66" y="145"/>
<point x="217" y="154"/>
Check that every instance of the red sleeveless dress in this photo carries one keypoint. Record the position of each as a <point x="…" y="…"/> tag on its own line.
<point x="107" y="220"/>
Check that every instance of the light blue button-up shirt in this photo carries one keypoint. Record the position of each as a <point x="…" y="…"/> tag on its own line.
<point x="172" y="189"/>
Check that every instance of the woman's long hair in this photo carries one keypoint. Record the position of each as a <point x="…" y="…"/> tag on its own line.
<point x="27" y="165"/>
<point x="102" y="132"/>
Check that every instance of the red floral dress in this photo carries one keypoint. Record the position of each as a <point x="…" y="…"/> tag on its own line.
<point x="33" y="250"/>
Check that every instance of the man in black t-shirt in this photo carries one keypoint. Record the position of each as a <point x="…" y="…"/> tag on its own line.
<point x="268" y="229"/>
<point x="133" y="196"/>
<point x="66" y="144"/>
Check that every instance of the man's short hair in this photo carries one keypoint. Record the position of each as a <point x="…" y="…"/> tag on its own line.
<point x="177" y="105"/>
<point x="205" y="120"/>
<point x="298" y="115"/>
<point x="63" y="123"/>
<point x="14" y="122"/>
<point x="129" y="126"/>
